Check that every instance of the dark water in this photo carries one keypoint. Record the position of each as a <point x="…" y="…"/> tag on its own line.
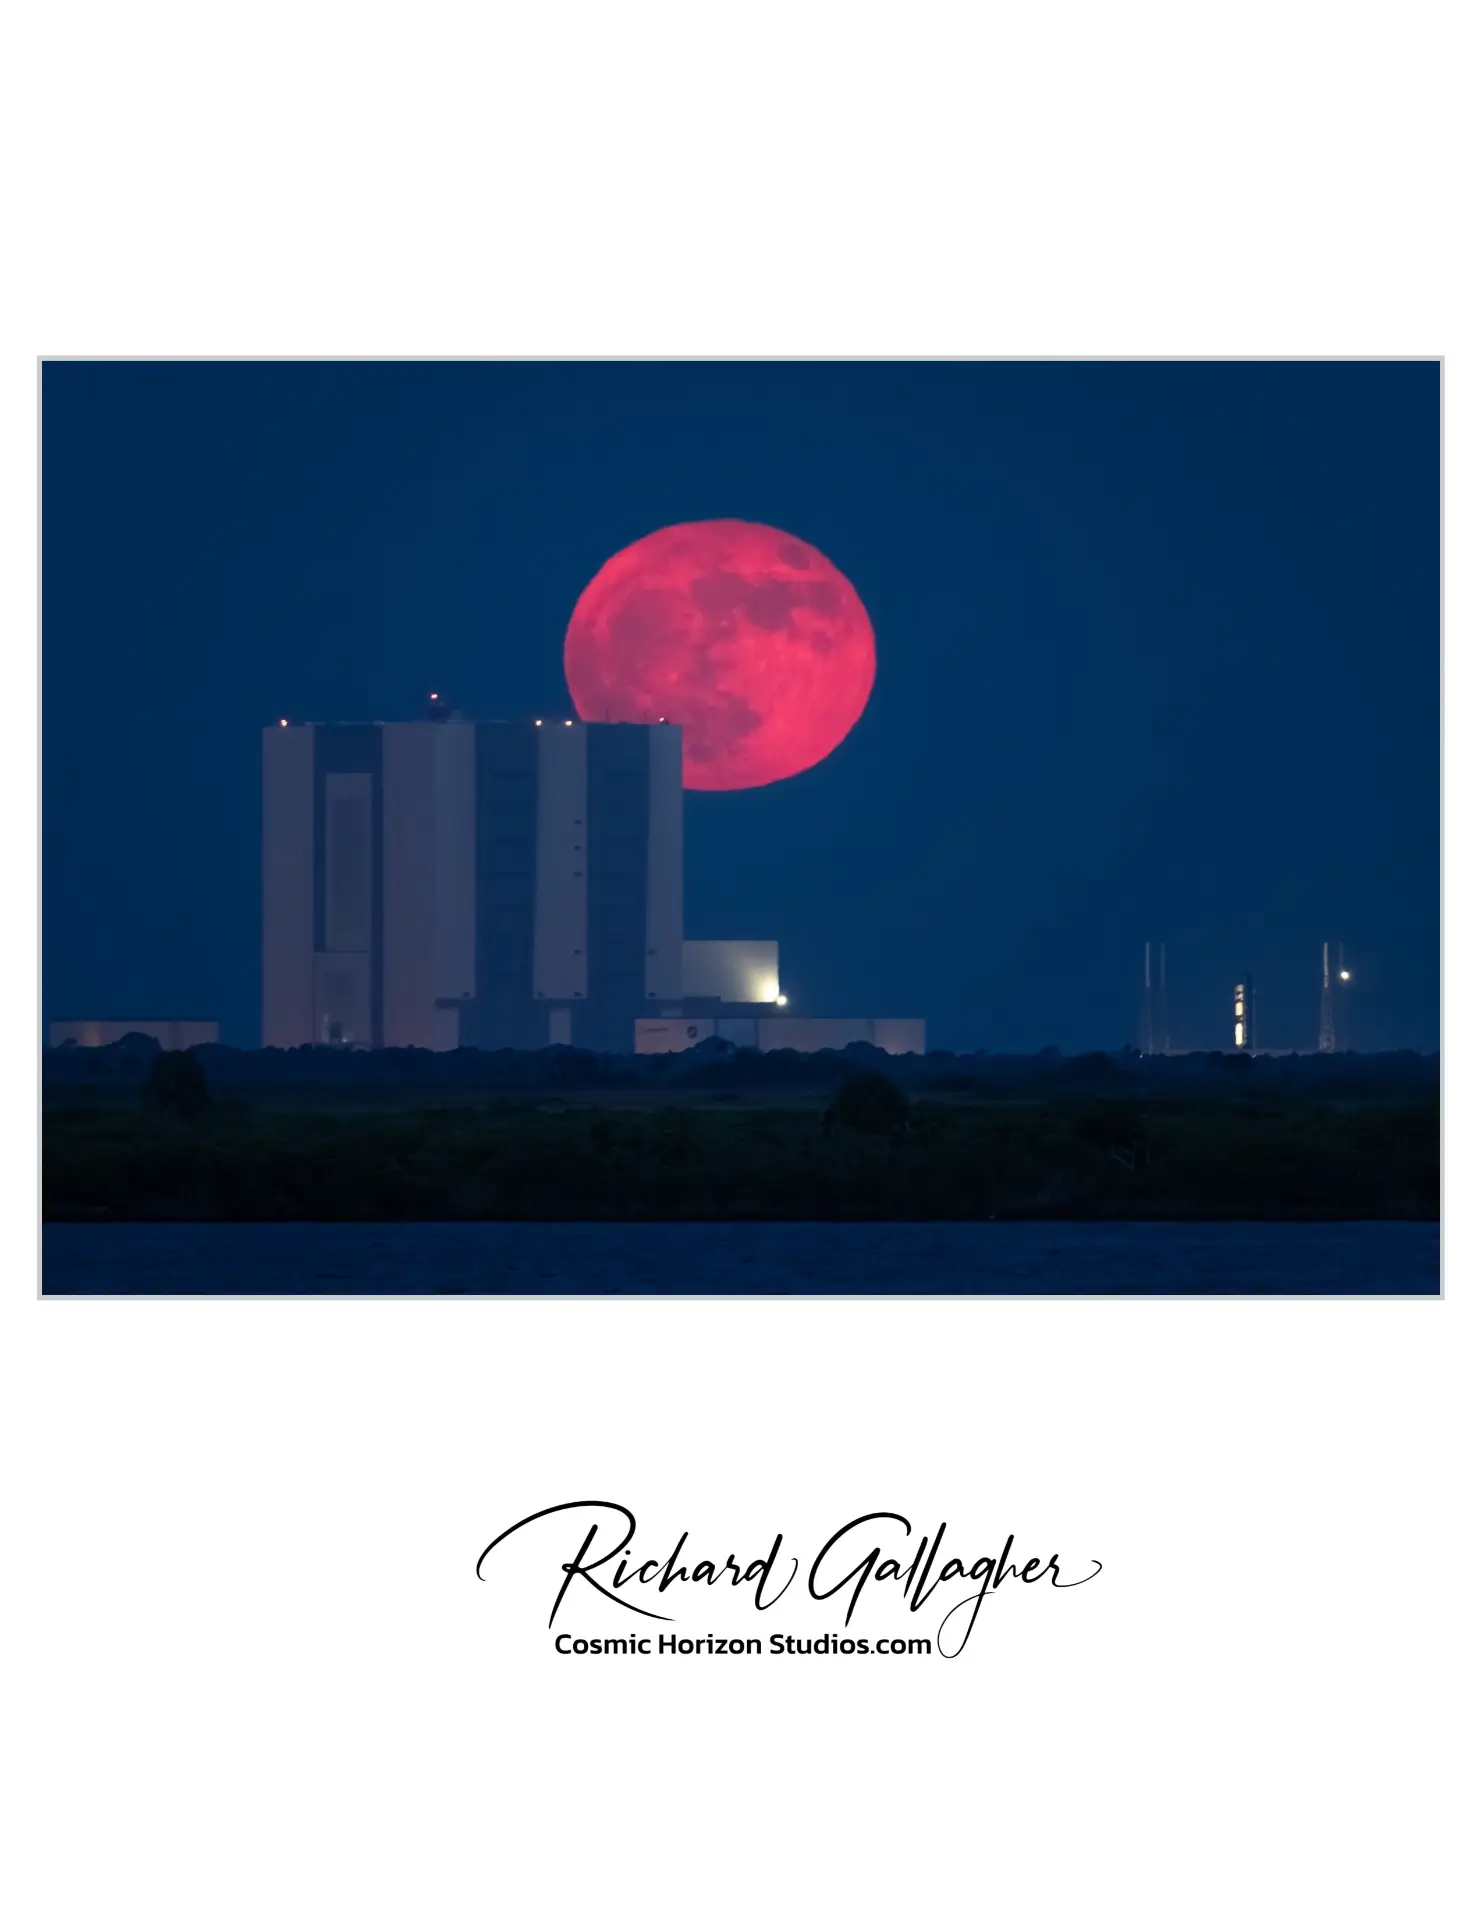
<point x="816" y="1257"/>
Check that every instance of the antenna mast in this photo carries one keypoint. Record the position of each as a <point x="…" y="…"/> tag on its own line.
<point x="1326" y="1007"/>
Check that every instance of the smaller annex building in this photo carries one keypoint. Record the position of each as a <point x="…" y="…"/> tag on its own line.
<point x="769" y="1032"/>
<point x="733" y="990"/>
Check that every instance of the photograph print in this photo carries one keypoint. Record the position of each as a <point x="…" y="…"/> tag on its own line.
<point x="740" y="828"/>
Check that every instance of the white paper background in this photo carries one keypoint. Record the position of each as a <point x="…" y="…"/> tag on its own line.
<point x="253" y="1671"/>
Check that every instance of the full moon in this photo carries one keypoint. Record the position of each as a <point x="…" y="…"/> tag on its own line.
<point x="744" y="636"/>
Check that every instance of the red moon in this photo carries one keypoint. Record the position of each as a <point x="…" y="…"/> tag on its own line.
<point x="744" y="636"/>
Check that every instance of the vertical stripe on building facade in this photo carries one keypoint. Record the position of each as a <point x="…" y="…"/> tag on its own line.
<point x="506" y="1012"/>
<point x="618" y="847"/>
<point x="454" y="913"/>
<point x="349" y="884"/>
<point x="664" y="929"/>
<point x="409" y="884"/>
<point x="288" y="886"/>
<point x="428" y="882"/>
<point x="559" y="969"/>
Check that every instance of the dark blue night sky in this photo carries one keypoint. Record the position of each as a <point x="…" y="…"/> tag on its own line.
<point x="1158" y="657"/>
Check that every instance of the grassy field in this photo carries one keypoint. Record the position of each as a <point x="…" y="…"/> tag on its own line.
<point x="312" y="1153"/>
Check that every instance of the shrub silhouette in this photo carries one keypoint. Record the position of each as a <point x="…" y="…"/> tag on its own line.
<point x="869" y="1103"/>
<point x="176" y="1086"/>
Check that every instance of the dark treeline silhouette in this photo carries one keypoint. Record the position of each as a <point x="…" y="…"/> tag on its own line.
<point x="316" y="1134"/>
<point x="715" y="1065"/>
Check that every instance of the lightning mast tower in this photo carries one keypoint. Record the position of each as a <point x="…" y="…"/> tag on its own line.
<point x="1326" y="1007"/>
<point x="1154" y="1022"/>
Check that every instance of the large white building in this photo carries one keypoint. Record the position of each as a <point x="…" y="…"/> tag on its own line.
<point x="444" y="882"/>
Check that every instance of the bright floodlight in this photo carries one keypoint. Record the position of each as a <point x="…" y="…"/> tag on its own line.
<point x="1344" y="973"/>
<point x="782" y="1000"/>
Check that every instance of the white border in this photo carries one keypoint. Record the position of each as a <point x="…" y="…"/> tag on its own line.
<point x="253" y="1671"/>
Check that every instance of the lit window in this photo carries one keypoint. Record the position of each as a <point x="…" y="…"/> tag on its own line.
<point x="1241" y="1030"/>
